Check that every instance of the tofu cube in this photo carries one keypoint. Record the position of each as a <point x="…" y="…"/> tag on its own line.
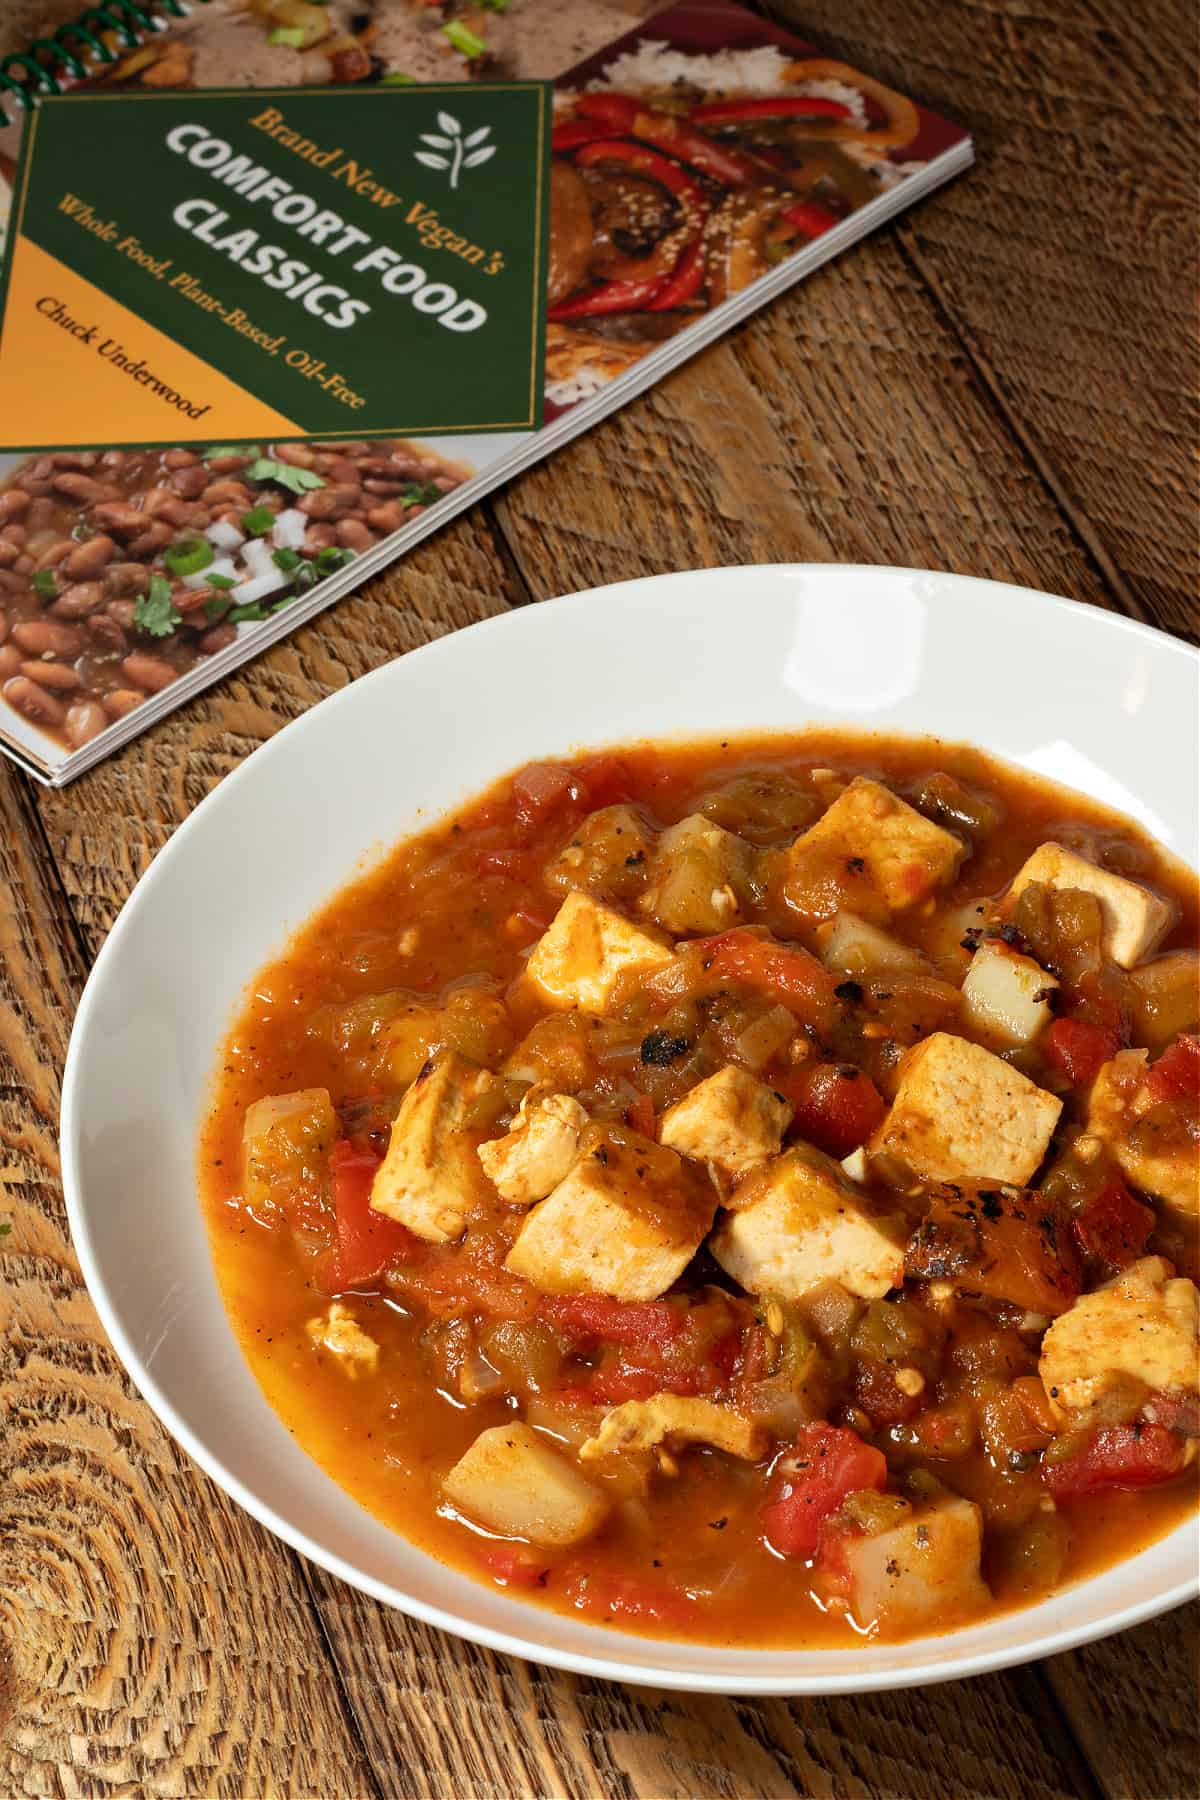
<point x="922" y="1573"/>
<point x="625" y="1222"/>
<point x="730" y="1120"/>
<point x="694" y="877"/>
<point x="340" y="1333"/>
<point x="536" y="1154"/>
<point x="430" y="1179"/>
<point x="1135" y="920"/>
<point x="586" y="951"/>
<point x="850" y="946"/>
<point x="799" y="1222"/>
<point x="1007" y="995"/>
<point x="872" y="843"/>
<point x="1145" y="1325"/>
<point x="1167" y="1169"/>
<point x="963" y="1115"/>
<point x="512" y="1481"/>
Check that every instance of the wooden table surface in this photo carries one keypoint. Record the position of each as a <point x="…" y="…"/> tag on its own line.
<point x="997" y="384"/>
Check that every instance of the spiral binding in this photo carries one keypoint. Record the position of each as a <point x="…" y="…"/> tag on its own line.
<point x="75" y="49"/>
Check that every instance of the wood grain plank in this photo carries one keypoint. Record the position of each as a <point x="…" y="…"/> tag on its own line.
<point x="1132" y="1702"/>
<point x="151" y="1635"/>
<point x="536" y="1731"/>
<point x="843" y="423"/>
<point x="1066" y="260"/>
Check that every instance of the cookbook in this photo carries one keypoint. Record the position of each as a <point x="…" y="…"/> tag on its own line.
<point x="287" y="286"/>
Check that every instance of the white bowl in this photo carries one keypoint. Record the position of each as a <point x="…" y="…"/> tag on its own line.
<point x="1096" y="702"/>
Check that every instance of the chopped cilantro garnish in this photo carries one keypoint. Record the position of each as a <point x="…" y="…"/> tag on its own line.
<point x="215" y="607"/>
<point x="286" y="559"/>
<point x="333" y="558"/>
<point x="291" y="35"/>
<point x="464" y="40"/>
<point x="5" y="1228"/>
<point x="288" y="476"/>
<point x="421" y="494"/>
<point x="45" y="584"/>
<point x="258" y="521"/>
<point x="397" y="78"/>
<point x="216" y="450"/>
<point x="154" y="612"/>
<point x="494" y="5"/>
<point x="221" y="581"/>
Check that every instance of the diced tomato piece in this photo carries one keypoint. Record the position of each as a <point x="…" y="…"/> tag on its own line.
<point x="613" y="1386"/>
<point x="875" y="1390"/>
<point x="541" y="788"/>
<point x="837" y="1106"/>
<point x="1176" y="1074"/>
<point x="785" y="973"/>
<point x="639" y="1115"/>
<point x="615" y="1321"/>
<point x="366" y="1241"/>
<point x="1118" y="1456"/>
<point x="1114" y="1225"/>
<point x="515" y="865"/>
<point x="605" y="781"/>
<point x="514" y="1565"/>
<point x="627" y="1597"/>
<point x="1178" y="1412"/>
<point x="1077" y="1048"/>
<point x="811" y="1482"/>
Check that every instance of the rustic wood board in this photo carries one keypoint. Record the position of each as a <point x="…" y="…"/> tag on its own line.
<point x="998" y="386"/>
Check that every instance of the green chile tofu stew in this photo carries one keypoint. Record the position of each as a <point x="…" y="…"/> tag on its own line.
<point x="121" y="570"/>
<point x="739" y="1191"/>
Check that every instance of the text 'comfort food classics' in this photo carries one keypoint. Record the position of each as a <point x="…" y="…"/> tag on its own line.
<point x="743" y="1192"/>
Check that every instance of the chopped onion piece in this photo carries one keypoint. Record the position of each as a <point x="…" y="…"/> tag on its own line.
<point x="247" y="592"/>
<point x="290" y="529"/>
<point x="224" y="535"/>
<point x="220" y="565"/>
<point x="256" y="555"/>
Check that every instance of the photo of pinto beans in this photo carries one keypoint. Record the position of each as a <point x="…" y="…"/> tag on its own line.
<point x="121" y="570"/>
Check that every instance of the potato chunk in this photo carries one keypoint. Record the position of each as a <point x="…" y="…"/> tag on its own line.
<point x="799" y="1222"/>
<point x="674" y="1419"/>
<point x="923" y="1572"/>
<point x="852" y="947"/>
<point x="1135" y="920"/>
<point x="730" y="1120"/>
<point x="587" y="949"/>
<point x="286" y="1140"/>
<point x="695" y="876"/>
<point x="340" y="1333"/>
<point x="871" y="852"/>
<point x="430" y="1178"/>
<point x="607" y="856"/>
<point x="1169" y="1170"/>
<point x="1007" y="995"/>
<point x="626" y="1221"/>
<point x="536" y="1154"/>
<point x="962" y="1114"/>
<point x="1144" y="1325"/>
<point x="514" y="1482"/>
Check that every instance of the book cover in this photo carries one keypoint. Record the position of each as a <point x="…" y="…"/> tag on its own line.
<point x="700" y="162"/>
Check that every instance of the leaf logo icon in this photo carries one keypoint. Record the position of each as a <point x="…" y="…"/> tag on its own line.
<point x="464" y="152"/>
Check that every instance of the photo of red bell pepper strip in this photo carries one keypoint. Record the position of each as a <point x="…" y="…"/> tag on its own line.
<point x="809" y="218"/>
<point x="660" y="293"/>
<point x="573" y="133"/>
<point x="776" y="106"/>
<point x="673" y="135"/>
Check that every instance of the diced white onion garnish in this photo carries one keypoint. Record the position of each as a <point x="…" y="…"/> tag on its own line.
<point x="247" y="592"/>
<point x="220" y="565"/>
<point x="291" y="526"/>
<point x="224" y="535"/>
<point x="256" y="554"/>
